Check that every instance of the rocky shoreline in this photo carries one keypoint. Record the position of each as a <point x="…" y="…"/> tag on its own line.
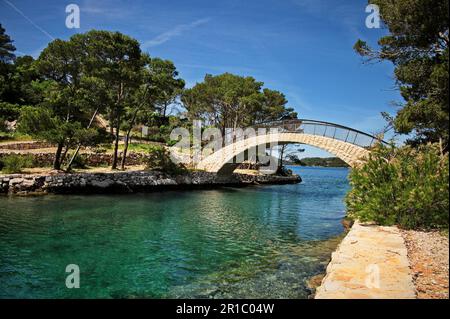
<point x="127" y="182"/>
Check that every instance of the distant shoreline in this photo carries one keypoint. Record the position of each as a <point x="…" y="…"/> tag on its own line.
<point x="319" y="162"/>
<point x="317" y="166"/>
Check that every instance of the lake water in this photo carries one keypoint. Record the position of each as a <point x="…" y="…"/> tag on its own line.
<point x="252" y="242"/>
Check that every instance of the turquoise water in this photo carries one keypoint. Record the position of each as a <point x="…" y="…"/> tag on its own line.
<point x="253" y="242"/>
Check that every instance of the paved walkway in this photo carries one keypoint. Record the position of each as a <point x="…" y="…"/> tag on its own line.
<point x="371" y="262"/>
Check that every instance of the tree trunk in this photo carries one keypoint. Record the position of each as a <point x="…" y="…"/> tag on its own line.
<point x="280" y="162"/>
<point x="57" y="160"/>
<point x="111" y="125"/>
<point x="63" y="156"/>
<point x="127" y="139"/>
<point x="125" y="149"/>
<point x="79" y="145"/>
<point x="116" y="145"/>
<point x="164" y="110"/>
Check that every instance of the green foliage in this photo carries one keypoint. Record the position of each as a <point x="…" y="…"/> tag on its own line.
<point x="229" y="101"/>
<point x="140" y="147"/>
<point x="43" y="124"/>
<point x="172" y="142"/>
<point x="14" y="163"/>
<point x="79" y="161"/>
<point x="2" y="124"/>
<point x="159" y="159"/>
<point x="21" y="82"/>
<point x="418" y="47"/>
<point x="6" y="47"/>
<point x="159" y="127"/>
<point x="284" y="171"/>
<point x="9" y="111"/>
<point x="14" y="136"/>
<point x="404" y="186"/>
<point x="166" y="85"/>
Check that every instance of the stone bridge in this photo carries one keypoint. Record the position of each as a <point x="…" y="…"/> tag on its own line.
<point x="348" y="144"/>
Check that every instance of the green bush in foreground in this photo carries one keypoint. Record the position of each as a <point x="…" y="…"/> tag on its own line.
<point x="158" y="158"/>
<point x="13" y="163"/>
<point x="404" y="186"/>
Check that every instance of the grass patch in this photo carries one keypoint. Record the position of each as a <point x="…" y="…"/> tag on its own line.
<point x="132" y="147"/>
<point x="13" y="163"/>
<point x="14" y="137"/>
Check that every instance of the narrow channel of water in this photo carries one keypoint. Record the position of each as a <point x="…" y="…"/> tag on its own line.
<point x="253" y="242"/>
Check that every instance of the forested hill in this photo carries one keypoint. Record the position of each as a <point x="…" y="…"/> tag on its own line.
<point x="322" y="161"/>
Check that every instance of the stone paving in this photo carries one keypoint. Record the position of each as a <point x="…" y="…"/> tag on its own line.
<point x="371" y="262"/>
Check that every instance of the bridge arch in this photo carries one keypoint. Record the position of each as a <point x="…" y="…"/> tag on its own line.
<point x="348" y="144"/>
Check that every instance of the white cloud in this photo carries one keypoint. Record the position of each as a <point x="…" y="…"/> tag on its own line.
<point x="176" y="31"/>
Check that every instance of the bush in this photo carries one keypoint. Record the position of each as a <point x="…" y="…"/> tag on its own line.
<point x="284" y="171"/>
<point x="10" y="111"/>
<point x="159" y="159"/>
<point x="13" y="163"/>
<point x="172" y="142"/>
<point x="404" y="186"/>
<point x="79" y="161"/>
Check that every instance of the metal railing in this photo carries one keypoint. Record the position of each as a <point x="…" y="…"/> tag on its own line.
<point x="318" y="128"/>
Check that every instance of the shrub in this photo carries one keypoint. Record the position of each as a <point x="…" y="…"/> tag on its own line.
<point x="172" y="142"/>
<point x="404" y="186"/>
<point x="159" y="159"/>
<point x="79" y="161"/>
<point x="15" y="163"/>
<point x="10" y="111"/>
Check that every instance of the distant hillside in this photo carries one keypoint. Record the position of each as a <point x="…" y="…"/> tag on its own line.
<point x="320" y="161"/>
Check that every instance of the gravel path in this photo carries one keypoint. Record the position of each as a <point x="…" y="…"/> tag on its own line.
<point x="429" y="258"/>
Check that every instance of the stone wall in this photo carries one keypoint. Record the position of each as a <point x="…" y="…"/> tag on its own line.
<point x="90" y="159"/>
<point x="126" y="182"/>
<point x="21" y="146"/>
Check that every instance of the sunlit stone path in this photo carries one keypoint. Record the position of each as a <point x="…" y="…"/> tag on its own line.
<point x="371" y="262"/>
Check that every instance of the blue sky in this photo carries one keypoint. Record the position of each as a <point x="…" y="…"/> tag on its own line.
<point x="302" y="48"/>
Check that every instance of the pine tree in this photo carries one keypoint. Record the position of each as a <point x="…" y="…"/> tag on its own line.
<point x="6" y="47"/>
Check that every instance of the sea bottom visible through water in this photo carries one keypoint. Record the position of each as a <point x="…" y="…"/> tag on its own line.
<point x="250" y="242"/>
